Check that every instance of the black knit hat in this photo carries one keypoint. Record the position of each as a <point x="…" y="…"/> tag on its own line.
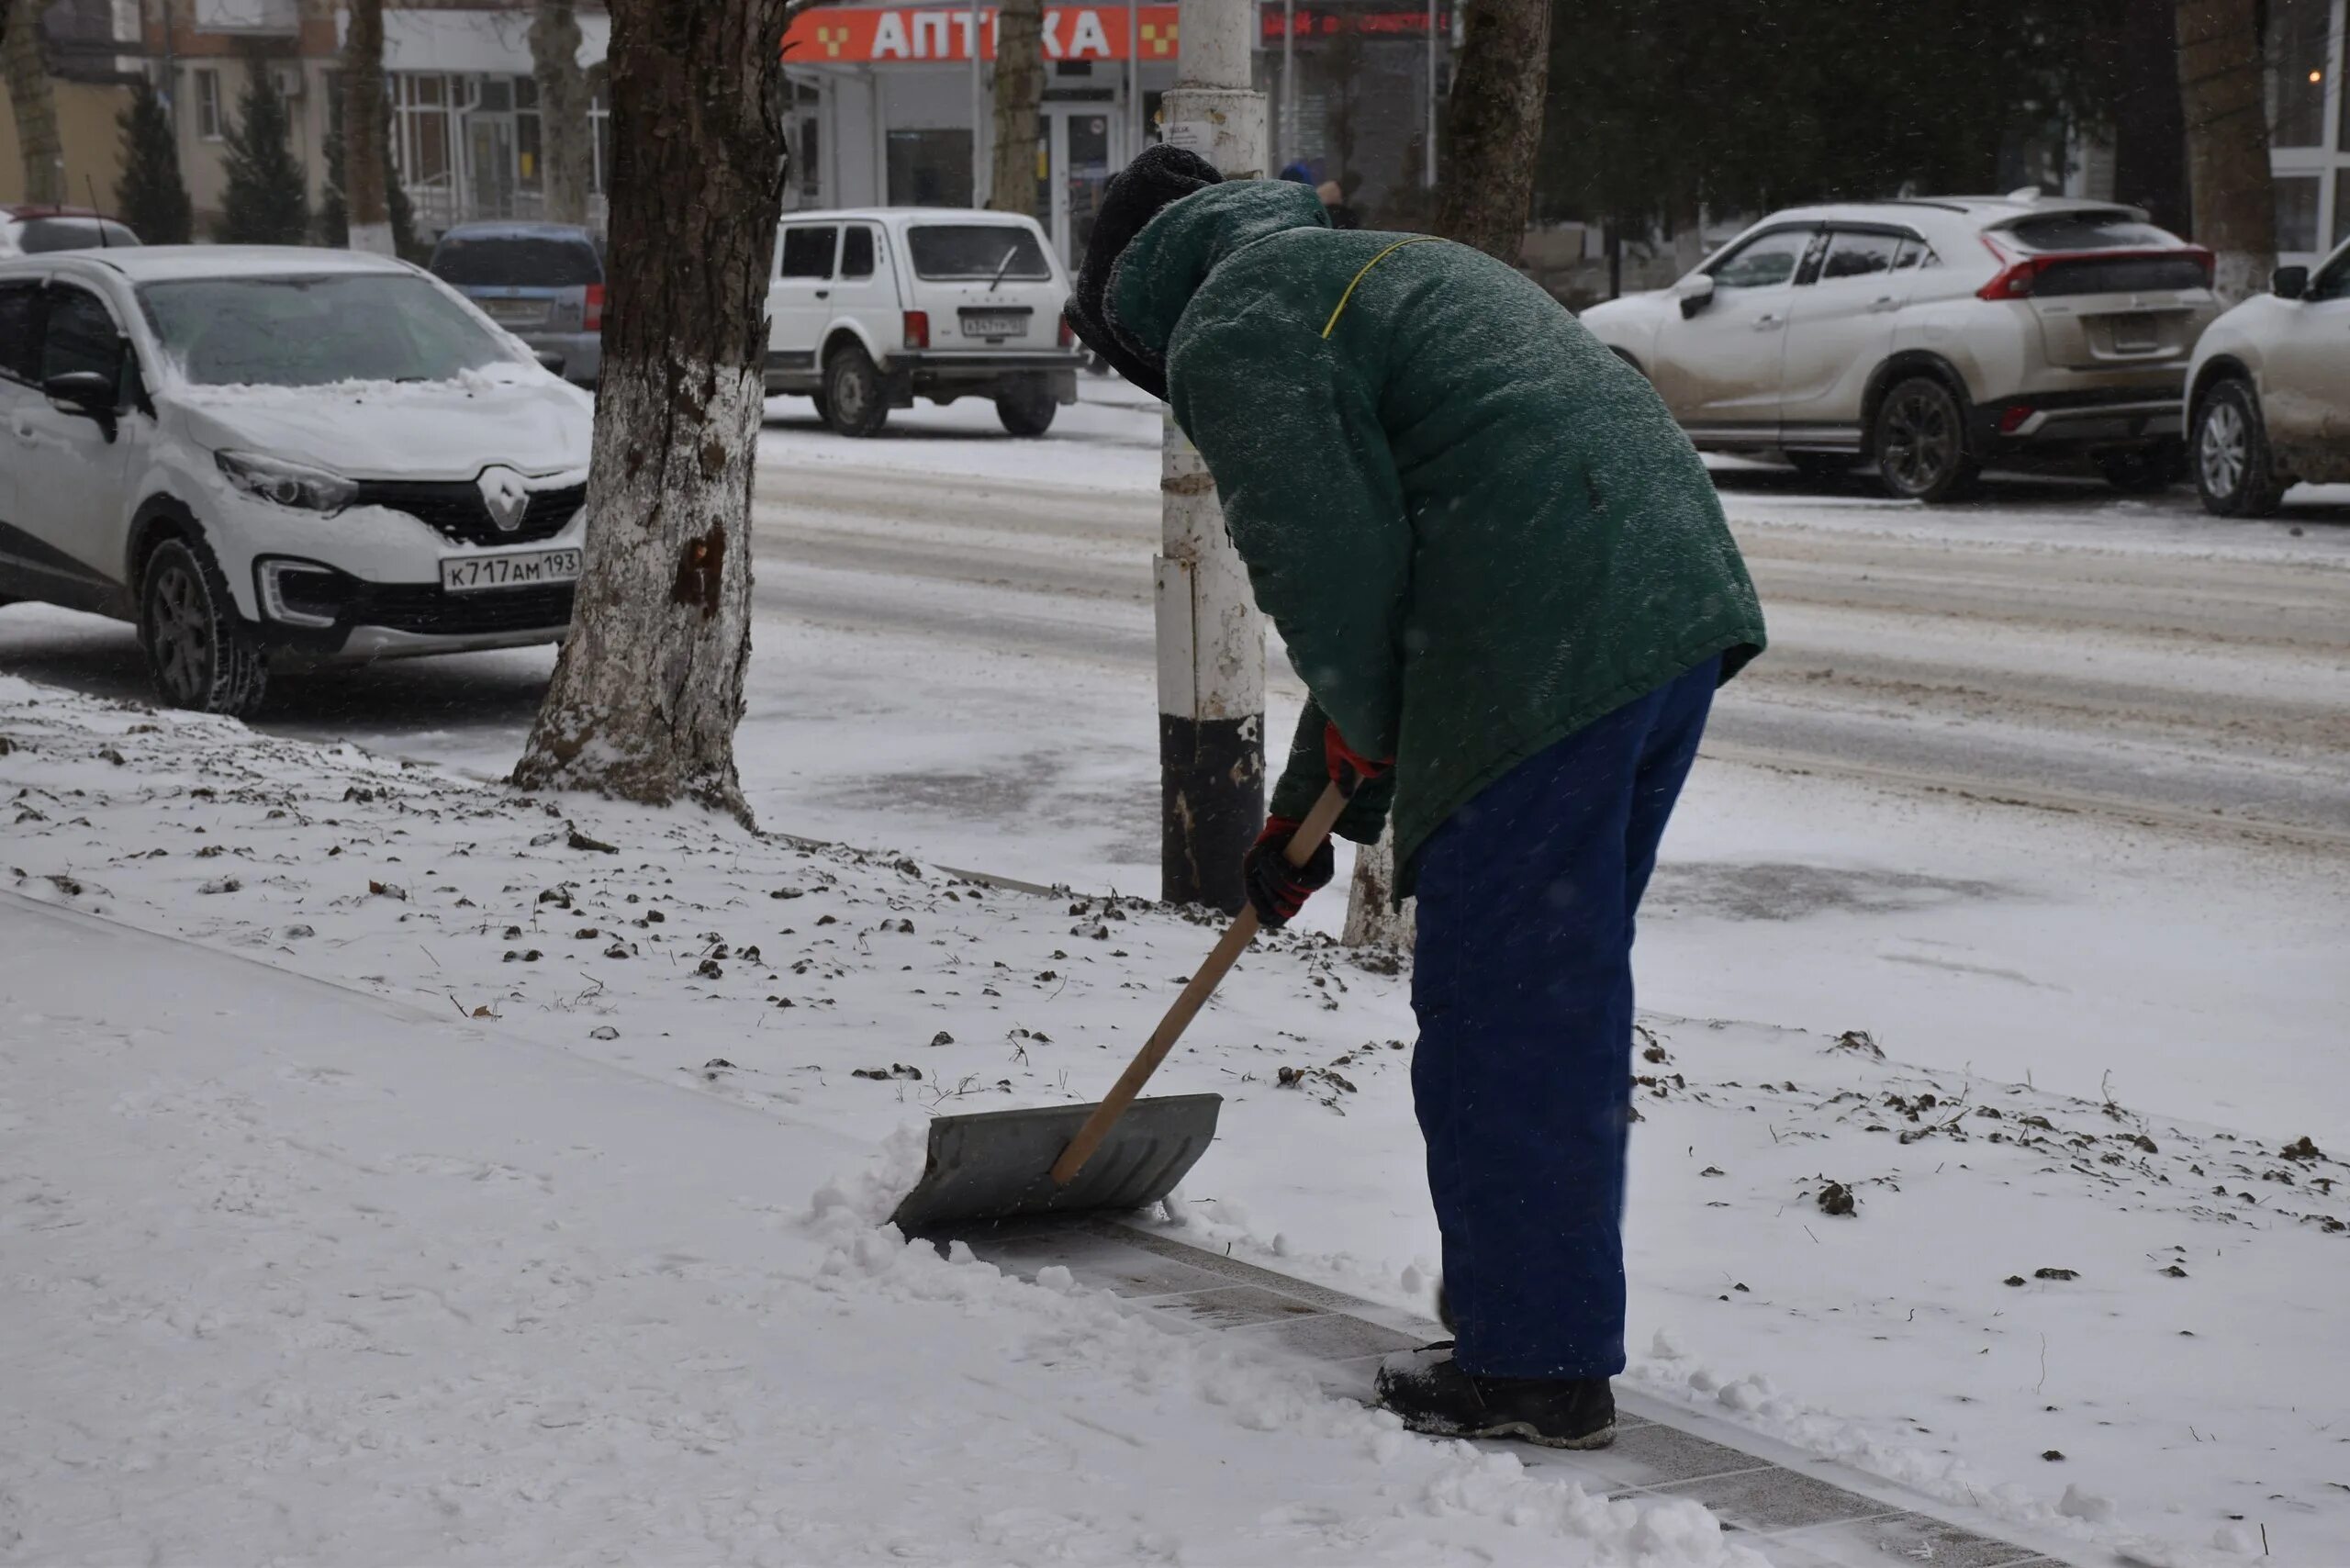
<point x="1159" y="176"/>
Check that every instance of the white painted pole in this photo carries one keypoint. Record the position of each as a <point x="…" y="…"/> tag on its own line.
<point x="1137" y="132"/>
<point x="1289" y="85"/>
<point x="1211" y="638"/>
<point x="979" y="108"/>
<point x="1428" y="161"/>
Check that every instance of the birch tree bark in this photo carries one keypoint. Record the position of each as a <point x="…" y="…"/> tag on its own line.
<point x="564" y="151"/>
<point x="1493" y="125"/>
<point x="649" y="688"/>
<point x="1019" y="88"/>
<point x="1493" y="135"/>
<point x="2223" y="86"/>
<point x="364" y="119"/>
<point x="26" y="68"/>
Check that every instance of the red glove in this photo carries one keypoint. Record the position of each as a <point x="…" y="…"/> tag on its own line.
<point x="1348" y="767"/>
<point x="1277" y="889"/>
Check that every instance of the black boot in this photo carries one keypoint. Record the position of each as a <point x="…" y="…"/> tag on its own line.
<point x="1432" y="1395"/>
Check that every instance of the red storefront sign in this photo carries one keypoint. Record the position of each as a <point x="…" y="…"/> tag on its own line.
<point x="865" y="36"/>
<point x="869" y="35"/>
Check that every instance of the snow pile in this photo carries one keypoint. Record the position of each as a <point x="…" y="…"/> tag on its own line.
<point x="1999" y="1295"/>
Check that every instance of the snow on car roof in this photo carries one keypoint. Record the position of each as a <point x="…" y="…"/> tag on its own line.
<point x="1979" y="207"/>
<point x="154" y="263"/>
<point x="935" y="214"/>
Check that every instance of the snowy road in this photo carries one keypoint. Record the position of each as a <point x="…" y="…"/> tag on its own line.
<point x="2146" y="683"/>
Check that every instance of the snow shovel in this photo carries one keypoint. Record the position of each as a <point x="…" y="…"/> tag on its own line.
<point x="1120" y="1154"/>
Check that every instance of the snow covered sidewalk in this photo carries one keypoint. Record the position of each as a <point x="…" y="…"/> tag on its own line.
<point x="298" y="1275"/>
<point x="547" y="1233"/>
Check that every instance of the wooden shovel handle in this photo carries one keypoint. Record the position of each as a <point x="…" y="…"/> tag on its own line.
<point x="1195" y="993"/>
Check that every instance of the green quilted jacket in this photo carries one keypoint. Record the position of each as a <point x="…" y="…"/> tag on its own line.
<point x="1477" y="529"/>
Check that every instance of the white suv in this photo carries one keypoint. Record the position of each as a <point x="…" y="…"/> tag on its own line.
<point x="259" y="452"/>
<point x="2268" y="398"/>
<point x="1930" y="337"/>
<point x="866" y="310"/>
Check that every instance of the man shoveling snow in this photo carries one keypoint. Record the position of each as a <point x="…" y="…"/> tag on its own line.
<point x="1503" y="574"/>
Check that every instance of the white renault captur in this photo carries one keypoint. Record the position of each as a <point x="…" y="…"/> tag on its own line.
<point x="265" y="453"/>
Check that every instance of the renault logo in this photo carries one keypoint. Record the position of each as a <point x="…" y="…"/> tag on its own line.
<point x="503" y="493"/>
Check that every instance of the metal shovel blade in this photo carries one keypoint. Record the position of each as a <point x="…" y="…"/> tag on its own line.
<point x="997" y="1164"/>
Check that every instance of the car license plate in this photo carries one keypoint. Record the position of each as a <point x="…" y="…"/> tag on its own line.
<point x="469" y="574"/>
<point x="2137" y="334"/>
<point x="517" y="312"/>
<point x="994" y="326"/>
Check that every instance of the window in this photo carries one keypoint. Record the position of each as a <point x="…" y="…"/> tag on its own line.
<point x="981" y="251"/>
<point x="857" y="253"/>
<point x="2298" y="45"/>
<point x="2340" y="205"/>
<point x="2331" y="282"/>
<point x="1859" y="256"/>
<point x="2297" y="212"/>
<point x="40" y="234"/>
<point x="313" y="331"/>
<point x="514" y="261"/>
<point x="20" y="330"/>
<point x="79" y="336"/>
<point x="1763" y="261"/>
<point x="2087" y="230"/>
<point x="930" y="168"/>
<point x="808" y="251"/>
<point x="208" y="105"/>
<point x="1916" y="255"/>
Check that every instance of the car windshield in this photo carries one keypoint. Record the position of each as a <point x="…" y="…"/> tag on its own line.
<point x="40" y="234"/>
<point x="946" y="252"/>
<point x="316" y="331"/>
<point x="516" y="260"/>
<point x="2088" y="231"/>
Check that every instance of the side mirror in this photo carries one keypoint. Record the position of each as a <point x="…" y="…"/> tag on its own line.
<point x="84" y="391"/>
<point x="2289" y="283"/>
<point x="550" y="361"/>
<point x="1695" y="292"/>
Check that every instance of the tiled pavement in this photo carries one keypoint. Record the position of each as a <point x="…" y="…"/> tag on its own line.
<point x="1800" y="1512"/>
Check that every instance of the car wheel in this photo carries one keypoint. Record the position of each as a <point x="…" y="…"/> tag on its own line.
<point x="1921" y="451"/>
<point x="1026" y="412"/>
<point x="2232" y="468"/>
<point x="852" y="401"/>
<point x="1819" y="467"/>
<point x="2144" y="469"/>
<point x="823" y="406"/>
<point x="198" y="648"/>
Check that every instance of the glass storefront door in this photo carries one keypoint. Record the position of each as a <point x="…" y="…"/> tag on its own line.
<point x="1085" y="145"/>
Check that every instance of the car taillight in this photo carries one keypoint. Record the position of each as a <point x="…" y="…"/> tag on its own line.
<point x="2015" y="278"/>
<point x="2204" y="259"/>
<point x="1068" y="334"/>
<point x="917" y="334"/>
<point x="2013" y="420"/>
<point x="593" y="321"/>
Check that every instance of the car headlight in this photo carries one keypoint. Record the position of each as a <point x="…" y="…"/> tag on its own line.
<point x="287" y="484"/>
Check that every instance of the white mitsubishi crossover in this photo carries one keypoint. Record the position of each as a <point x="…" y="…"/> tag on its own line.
<point x="273" y="454"/>
<point x="1930" y="337"/>
<point x="868" y="310"/>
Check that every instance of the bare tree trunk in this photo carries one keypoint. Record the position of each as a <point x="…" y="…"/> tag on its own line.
<point x="2222" y="88"/>
<point x="363" y="120"/>
<point x="566" y="156"/>
<point x="649" y="689"/>
<point x="27" y="70"/>
<point x="1019" y="88"/>
<point x="1493" y="125"/>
